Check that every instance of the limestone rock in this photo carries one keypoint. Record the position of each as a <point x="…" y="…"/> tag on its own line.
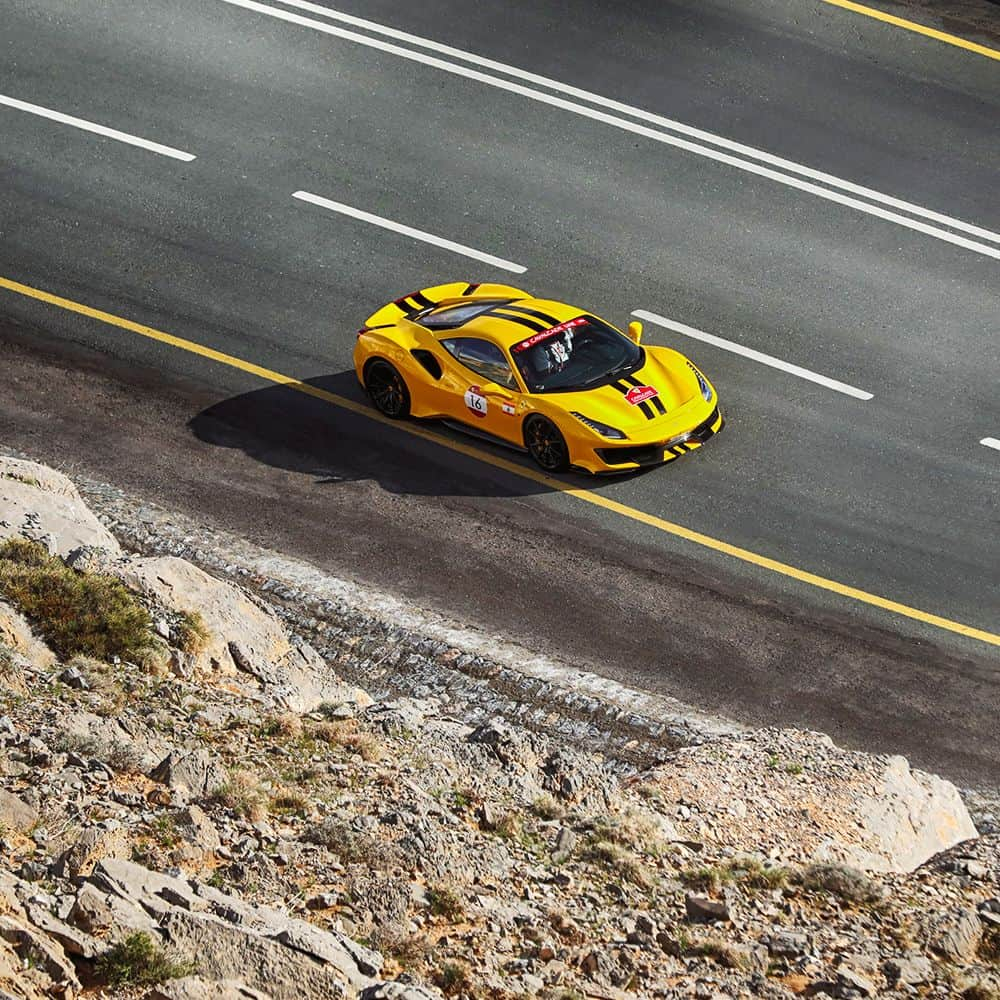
<point x="909" y="970"/>
<point x="266" y="950"/>
<point x="955" y="934"/>
<point x="197" y="988"/>
<point x="704" y="910"/>
<point x="91" y="846"/>
<point x="43" y="505"/>
<point x="301" y="681"/>
<point x="398" y="991"/>
<point x="195" y="773"/>
<point x="38" y="949"/>
<point x="15" y="813"/>
<point x="15" y="632"/>
<point x="808" y="800"/>
<point x="912" y="817"/>
<point x="199" y="834"/>
<point x="241" y="633"/>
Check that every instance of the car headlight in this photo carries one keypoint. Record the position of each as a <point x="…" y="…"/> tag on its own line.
<point x="603" y="429"/>
<point x="706" y="389"/>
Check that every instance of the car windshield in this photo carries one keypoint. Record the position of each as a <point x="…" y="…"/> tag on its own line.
<point x="578" y="354"/>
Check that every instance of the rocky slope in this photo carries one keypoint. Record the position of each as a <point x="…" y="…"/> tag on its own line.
<point x="223" y="812"/>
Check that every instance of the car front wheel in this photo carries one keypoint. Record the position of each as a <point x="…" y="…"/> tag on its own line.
<point x="546" y="444"/>
<point x="387" y="389"/>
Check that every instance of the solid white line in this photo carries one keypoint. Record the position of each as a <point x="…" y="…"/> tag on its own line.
<point x="417" y="234"/>
<point x="648" y="116"/>
<point x="991" y="443"/>
<point x="748" y="352"/>
<point x="109" y="133"/>
<point x="621" y="123"/>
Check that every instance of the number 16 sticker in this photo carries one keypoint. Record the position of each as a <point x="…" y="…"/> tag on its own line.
<point x="476" y="401"/>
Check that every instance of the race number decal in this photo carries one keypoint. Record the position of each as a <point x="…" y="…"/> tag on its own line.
<point x="476" y="401"/>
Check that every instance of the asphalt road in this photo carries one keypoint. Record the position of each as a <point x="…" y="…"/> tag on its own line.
<point x="892" y="290"/>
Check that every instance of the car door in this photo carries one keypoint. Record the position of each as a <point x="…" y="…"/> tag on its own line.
<point x="483" y="390"/>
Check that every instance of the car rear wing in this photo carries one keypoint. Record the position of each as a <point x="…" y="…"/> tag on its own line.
<point x="438" y="295"/>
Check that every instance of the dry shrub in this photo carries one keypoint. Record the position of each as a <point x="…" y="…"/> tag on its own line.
<point x="409" y="950"/>
<point x="287" y="726"/>
<point x="620" y="862"/>
<point x="630" y="829"/>
<point x="75" y="613"/>
<point x="846" y="883"/>
<point x="190" y="633"/>
<point x="344" y="733"/>
<point x="242" y="793"/>
<point x="989" y="945"/>
<point x="547" y="806"/>
<point x="445" y="901"/>
<point x="350" y="845"/>
<point x="748" y="872"/>
<point x="453" y="978"/>
<point x="334" y="732"/>
<point x="290" y="801"/>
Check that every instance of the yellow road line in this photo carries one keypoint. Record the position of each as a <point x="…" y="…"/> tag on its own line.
<point x="920" y="29"/>
<point x="587" y="496"/>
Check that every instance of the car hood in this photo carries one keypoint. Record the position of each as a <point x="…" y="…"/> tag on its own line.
<point x="652" y="394"/>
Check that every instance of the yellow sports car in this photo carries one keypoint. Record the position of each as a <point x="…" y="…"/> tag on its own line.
<point x="543" y="376"/>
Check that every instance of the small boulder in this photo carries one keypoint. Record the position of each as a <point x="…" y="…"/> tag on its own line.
<point x="240" y="633"/>
<point x="909" y="970"/>
<point x="196" y="988"/>
<point x="193" y="774"/>
<point x="15" y="813"/>
<point x="198" y="832"/>
<point x="92" y="846"/>
<point x="41" y="504"/>
<point x="702" y="909"/>
<point x="16" y="634"/>
<point x="955" y="934"/>
<point x="398" y="991"/>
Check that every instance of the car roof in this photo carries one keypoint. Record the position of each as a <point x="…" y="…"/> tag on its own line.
<point x="513" y="321"/>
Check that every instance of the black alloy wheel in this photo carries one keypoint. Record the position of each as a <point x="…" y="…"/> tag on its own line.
<point x="387" y="389"/>
<point x="546" y="445"/>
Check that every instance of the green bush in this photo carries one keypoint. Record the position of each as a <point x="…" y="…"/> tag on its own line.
<point x="76" y="613"/>
<point x="139" y="961"/>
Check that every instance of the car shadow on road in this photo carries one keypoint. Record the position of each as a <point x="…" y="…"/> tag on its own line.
<point x="284" y="428"/>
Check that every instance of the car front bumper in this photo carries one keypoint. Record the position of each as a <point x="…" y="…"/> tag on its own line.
<point x="626" y="457"/>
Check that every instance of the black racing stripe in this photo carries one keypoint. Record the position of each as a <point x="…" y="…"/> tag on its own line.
<point x="536" y="326"/>
<point x="469" y="289"/>
<point x="551" y="320"/>
<point x="656" y="401"/>
<point x="647" y="410"/>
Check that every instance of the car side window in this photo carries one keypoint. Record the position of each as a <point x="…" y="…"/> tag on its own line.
<point x="482" y="357"/>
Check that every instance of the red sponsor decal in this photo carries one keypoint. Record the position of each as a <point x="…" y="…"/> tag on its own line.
<point x="640" y="393"/>
<point x="552" y="331"/>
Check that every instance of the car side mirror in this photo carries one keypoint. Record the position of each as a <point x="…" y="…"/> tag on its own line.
<point x="635" y="331"/>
